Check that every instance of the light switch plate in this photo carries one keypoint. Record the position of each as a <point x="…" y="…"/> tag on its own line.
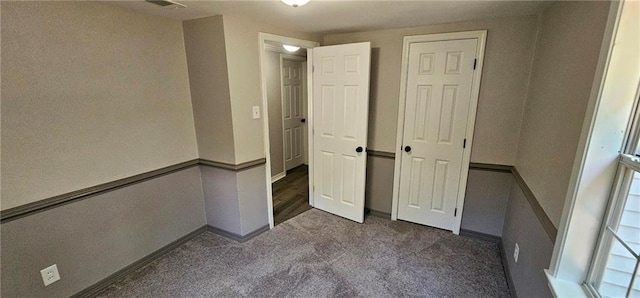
<point x="50" y="274"/>
<point x="256" y="112"/>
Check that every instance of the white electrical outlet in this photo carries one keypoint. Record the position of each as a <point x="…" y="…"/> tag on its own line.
<point x="50" y="274"/>
<point x="516" y="252"/>
<point x="256" y="112"/>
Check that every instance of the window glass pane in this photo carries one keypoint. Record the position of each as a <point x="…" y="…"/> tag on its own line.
<point x="630" y="150"/>
<point x="617" y="271"/>
<point x="635" y="292"/>
<point x="620" y="263"/>
<point x="629" y="225"/>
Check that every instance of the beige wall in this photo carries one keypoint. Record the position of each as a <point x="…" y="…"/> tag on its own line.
<point x="563" y="70"/>
<point x="252" y="199"/>
<point x="486" y="200"/>
<point x="522" y="226"/>
<point x="90" y="93"/>
<point x="243" y="51"/>
<point x="93" y="238"/>
<point x="378" y="190"/>
<point x="208" y="78"/>
<point x="274" y="97"/>
<point x="507" y="61"/>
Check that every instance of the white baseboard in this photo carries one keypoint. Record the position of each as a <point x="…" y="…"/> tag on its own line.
<point x="278" y="176"/>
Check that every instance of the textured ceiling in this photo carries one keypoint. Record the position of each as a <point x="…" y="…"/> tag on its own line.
<point x="332" y="16"/>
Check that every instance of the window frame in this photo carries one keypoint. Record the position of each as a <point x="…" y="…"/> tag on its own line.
<point x="628" y="165"/>
<point x="596" y="163"/>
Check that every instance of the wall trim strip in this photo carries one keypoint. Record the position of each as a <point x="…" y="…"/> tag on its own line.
<point x="235" y="236"/>
<point x="542" y="216"/>
<point x="234" y="167"/>
<point x="480" y="235"/>
<point x="546" y="223"/>
<point x="377" y="213"/>
<point x="85" y="193"/>
<point x="382" y="154"/>
<point x="109" y="280"/>
<point x="74" y="196"/>
<point x="490" y="167"/>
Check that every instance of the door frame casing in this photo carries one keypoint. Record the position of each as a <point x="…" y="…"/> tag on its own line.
<point x="481" y="36"/>
<point x="309" y="45"/>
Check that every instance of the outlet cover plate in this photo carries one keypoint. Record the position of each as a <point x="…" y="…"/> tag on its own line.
<point x="50" y="274"/>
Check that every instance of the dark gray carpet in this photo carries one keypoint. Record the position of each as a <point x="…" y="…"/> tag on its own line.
<point x="317" y="254"/>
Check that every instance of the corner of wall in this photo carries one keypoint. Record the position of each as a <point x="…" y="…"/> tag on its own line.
<point x="522" y="228"/>
<point x="252" y="199"/>
<point x="220" y="19"/>
<point x="222" y="207"/>
<point x="557" y="96"/>
<point x="245" y="85"/>
<point x="193" y="121"/>
<point x="526" y="93"/>
<point x="206" y="53"/>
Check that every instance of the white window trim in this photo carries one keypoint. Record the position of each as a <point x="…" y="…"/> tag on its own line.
<point x="628" y="164"/>
<point x="614" y="211"/>
<point x="593" y="175"/>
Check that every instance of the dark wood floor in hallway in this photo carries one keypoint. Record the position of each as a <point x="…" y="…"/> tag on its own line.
<point x="291" y="195"/>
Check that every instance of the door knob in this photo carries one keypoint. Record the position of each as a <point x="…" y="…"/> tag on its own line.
<point x="303" y="120"/>
<point x="359" y="149"/>
<point x="407" y="149"/>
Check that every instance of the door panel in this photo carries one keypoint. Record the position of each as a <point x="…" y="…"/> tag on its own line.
<point x="340" y="107"/>
<point x="292" y="105"/>
<point x="438" y="95"/>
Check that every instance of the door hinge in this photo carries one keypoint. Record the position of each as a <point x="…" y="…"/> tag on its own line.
<point x="464" y="143"/>
<point x="475" y="61"/>
<point x="313" y="68"/>
<point x="455" y="212"/>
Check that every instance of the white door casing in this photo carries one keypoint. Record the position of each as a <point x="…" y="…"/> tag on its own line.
<point x="340" y="119"/>
<point x="438" y="105"/>
<point x="293" y="113"/>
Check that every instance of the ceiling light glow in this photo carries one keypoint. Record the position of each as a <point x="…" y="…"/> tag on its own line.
<point x="290" y="49"/>
<point x="295" y="3"/>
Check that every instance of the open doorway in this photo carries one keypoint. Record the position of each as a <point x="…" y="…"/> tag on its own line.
<point x="285" y="97"/>
<point x="285" y="69"/>
<point x="337" y="153"/>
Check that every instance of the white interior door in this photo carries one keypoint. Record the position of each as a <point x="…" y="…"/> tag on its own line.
<point x="293" y="113"/>
<point x="438" y="94"/>
<point x="340" y="116"/>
